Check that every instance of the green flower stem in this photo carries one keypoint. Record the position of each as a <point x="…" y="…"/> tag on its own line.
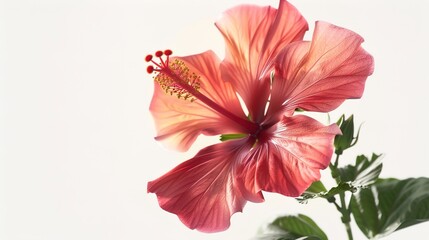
<point x="336" y="162"/>
<point x="343" y="208"/>
<point x="346" y="216"/>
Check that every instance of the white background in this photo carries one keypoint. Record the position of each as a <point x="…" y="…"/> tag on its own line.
<point x="76" y="136"/>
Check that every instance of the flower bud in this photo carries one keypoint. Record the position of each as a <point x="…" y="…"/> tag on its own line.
<point x="344" y="141"/>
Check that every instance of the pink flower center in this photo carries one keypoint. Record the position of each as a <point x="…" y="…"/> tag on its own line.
<point x="176" y="79"/>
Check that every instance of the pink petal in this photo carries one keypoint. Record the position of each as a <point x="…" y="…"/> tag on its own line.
<point x="291" y="157"/>
<point x="203" y="191"/>
<point x="179" y="122"/>
<point x="254" y="36"/>
<point x="320" y="75"/>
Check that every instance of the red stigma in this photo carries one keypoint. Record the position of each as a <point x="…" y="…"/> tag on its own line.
<point x="150" y="69"/>
<point x="148" y="58"/>
<point x="168" y="52"/>
<point x="159" y="53"/>
<point x="158" y="66"/>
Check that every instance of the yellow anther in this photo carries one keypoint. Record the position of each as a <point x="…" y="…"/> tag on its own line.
<point x="182" y="79"/>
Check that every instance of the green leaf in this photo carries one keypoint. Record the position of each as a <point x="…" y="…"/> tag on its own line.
<point x="390" y="205"/>
<point x="342" y="187"/>
<point x="315" y="190"/>
<point x="316" y="187"/>
<point x="293" y="227"/>
<point x="364" y="172"/>
<point x="300" y="226"/>
<point x="279" y="235"/>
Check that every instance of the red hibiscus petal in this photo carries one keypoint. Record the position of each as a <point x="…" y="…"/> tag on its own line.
<point x="254" y="36"/>
<point x="179" y="122"/>
<point x="291" y="158"/>
<point x="204" y="191"/>
<point x="320" y="75"/>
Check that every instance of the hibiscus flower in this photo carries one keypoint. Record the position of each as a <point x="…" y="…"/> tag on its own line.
<point x="266" y="146"/>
